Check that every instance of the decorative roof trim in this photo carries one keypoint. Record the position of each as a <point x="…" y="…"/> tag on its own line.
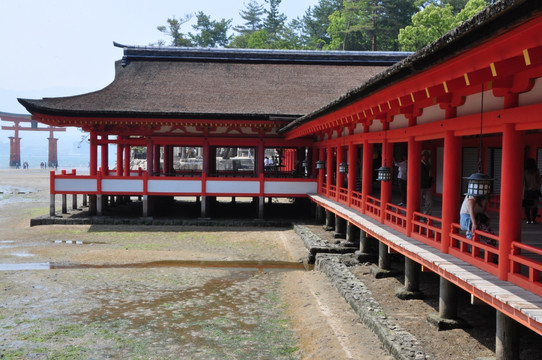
<point x="149" y="53"/>
<point x="490" y="22"/>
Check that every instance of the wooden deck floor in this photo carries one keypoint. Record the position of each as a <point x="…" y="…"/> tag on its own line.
<point x="514" y="301"/>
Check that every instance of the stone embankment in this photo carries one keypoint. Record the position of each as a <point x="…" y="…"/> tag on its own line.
<point x="332" y="260"/>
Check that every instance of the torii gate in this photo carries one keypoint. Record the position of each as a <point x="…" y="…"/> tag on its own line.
<point x="15" y="141"/>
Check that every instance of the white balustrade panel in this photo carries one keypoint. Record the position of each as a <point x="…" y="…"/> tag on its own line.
<point x="290" y="187"/>
<point x="114" y="185"/>
<point x="233" y="187"/>
<point x="174" y="186"/>
<point x="76" y="185"/>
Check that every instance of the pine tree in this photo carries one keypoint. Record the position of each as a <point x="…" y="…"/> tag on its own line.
<point x="252" y="16"/>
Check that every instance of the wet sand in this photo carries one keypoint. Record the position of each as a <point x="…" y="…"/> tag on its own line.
<point x="120" y="292"/>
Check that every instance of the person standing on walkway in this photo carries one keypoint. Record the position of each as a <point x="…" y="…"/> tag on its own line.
<point x="426" y="181"/>
<point x="531" y="190"/>
<point x="402" y="179"/>
<point x="472" y="210"/>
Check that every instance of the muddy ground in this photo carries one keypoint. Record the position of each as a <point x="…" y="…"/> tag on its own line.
<point x="174" y="292"/>
<point x="142" y="292"/>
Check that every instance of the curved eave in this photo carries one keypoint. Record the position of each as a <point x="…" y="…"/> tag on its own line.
<point x="35" y="107"/>
<point x="489" y="23"/>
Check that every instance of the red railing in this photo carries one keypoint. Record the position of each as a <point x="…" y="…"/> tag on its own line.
<point x="323" y="189"/>
<point x="525" y="271"/>
<point x="356" y="201"/>
<point x="395" y="216"/>
<point x="372" y="207"/>
<point x="343" y="195"/>
<point x="332" y="191"/>
<point x="480" y="251"/>
<point x="427" y="229"/>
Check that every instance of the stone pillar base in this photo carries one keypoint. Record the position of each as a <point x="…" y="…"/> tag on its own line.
<point x="380" y="273"/>
<point x="365" y="257"/>
<point x="404" y="294"/>
<point x="446" y="324"/>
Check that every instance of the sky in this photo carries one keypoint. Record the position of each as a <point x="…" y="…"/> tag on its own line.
<point x="52" y="48"/>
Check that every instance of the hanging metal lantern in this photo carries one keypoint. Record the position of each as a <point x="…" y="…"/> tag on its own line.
<point x="320" y="164"/>
<point x="479" y="184"/>
<point x="343" y="168"/>
<point x="384" y="174"/>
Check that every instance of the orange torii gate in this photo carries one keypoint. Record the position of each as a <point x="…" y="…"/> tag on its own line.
<point x="15" y="141"/>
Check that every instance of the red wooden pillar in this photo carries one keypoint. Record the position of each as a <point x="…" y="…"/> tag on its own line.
<point x="352" y="170"/>
<point x="53" y="153"/>
<point x="167" y="160"/>
<point x="105" y="155"/>
<point x="120" y="154"/>
<point x="207" y="157"/>
<point x="367" y="173"/>
<point x="321" y="172"/>
<point x="451" y="186"/>
<point x="260" y="158"/>
<point x="511" y="194"/>
<point x="127" y="154"/>
<point x="413" y="181"/>
<point x="385" y="186"/>
<point x="14" y="151"/>
<point x="338" y="174"/>
<point x="93" y="153"/>
<point x="329" y="168"/>
<point x="150" y="157"/>
<point x="156" y="163"/>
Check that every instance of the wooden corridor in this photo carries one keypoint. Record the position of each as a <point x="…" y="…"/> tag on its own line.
<point x="512" y="300"/>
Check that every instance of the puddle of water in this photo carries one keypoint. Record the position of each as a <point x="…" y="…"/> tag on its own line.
<point x="261" y="266"/>
<point x="76" y="242"/>
<point x="6" y="189"/>
<point x="238" y="265"/>
<point x="23" y="254"/>
<point x="26" y="266"/>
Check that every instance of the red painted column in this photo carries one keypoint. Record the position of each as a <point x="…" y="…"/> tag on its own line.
<point x="413" y="181"/>
<point x="260" y="158"/>
<point x="321" y="172"/>
<point x="451" y="186"/>
<point x="156" y="163"/>
<point x="120" y="153"/>
<point x="93" y="153"/>
<point x="511" y="195"/>
<point x="14" y="151"/>
<point x="150" y="157"/>
<point x="385" y="186"/>
<point x="127" y="154"/>
<point x="367" y="173"/>
<point x="329" y="168"/>
<point x="352" y="170"/>
<point x="53" y="158"/>
<point x="207" y="157"/>
<point x="338" y="174"/>
<point x="105" y="155"/>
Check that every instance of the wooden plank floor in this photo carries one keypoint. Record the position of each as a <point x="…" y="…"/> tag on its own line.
<point x="516" y="302"/>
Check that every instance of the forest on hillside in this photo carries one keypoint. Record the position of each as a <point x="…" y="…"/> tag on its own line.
<point x="349" y="25"/>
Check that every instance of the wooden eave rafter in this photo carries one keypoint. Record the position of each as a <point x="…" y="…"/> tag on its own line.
<point x="147" y="125"/>
<point x="504" y="65"/>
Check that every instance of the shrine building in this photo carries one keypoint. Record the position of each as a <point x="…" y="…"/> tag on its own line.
<point x="333" y="124"/>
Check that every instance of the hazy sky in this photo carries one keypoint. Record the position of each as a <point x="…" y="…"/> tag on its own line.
<point x="52" y="48"/>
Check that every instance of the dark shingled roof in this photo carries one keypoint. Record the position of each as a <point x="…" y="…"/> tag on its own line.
<point x="221" y="83"/>
<point x="490" y="22"/>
